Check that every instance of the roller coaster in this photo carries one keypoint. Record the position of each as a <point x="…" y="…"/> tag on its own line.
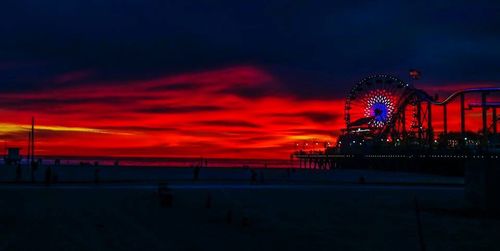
<point x="383" y="109"/>
<point x="389" y="125"/>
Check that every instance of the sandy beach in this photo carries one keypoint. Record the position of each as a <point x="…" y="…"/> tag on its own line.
<point x="308" y="210"/>
<point x="142" y="174"/>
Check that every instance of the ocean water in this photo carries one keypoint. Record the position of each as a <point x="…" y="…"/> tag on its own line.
<point x="172" y="162"/>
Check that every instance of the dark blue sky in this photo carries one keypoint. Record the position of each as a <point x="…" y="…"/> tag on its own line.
<point x="322" y="45"/>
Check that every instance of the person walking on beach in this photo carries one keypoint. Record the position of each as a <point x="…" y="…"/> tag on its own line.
<point x="18" y="172"/>
<point x="165" y="194"/>
<point x="96" y="175"/>
<point x="196" y="173"/>
<point x="34" y="167"/>
<point x="253" y="177"/>
<point x="48" y="175"/>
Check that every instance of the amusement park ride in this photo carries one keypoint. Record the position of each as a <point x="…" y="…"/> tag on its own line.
<point x="386" y="117"/>
<point x="384" y="110"/>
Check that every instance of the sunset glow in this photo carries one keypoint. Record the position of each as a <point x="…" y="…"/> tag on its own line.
<point x="239" y="112"/>
<point x="232" y="112"/>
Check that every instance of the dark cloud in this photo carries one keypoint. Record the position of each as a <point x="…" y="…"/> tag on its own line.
<point x="261" y="138"/>
<point x="15" y="136"/>
<point x="252" y="92"/>
<point x="41" y="134"/>
<point x="318" y="48"/>
<point x="318" y="117"/>
<point x="64" y="104"/>
<point x="204" y="133"/>
<point x="174" y="87"/>
<point x="146" y="129"/>
<point x="179" y="109"/>
<point x="299" y="132"/>
<point x="228" y="123"/>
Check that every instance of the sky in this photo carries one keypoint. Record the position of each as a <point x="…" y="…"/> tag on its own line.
<point x="243" y="79"/>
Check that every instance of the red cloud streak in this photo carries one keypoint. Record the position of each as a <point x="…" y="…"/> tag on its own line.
<point x="238" y="112"/>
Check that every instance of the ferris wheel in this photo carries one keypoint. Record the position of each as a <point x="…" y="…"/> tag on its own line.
<point x="374" y="101"/>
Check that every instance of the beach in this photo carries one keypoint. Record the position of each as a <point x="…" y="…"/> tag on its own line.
<point x="226" y="210"/>
<point x="70" y="174"/>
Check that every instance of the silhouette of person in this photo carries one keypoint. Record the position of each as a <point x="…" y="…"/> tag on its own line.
<point x="196" y="173"/>
<point x="18" y="172"/>
<point x="361" y="180"/>
<point x="96" y="175"/>
<point x="253" y="176"/>
<point x="34" y="167"/>
<point x="208" y="201"/>
<point x="48" y="175"/>
<point x="165" y="194"/>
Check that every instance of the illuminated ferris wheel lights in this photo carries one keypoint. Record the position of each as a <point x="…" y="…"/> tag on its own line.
<point x="380" y="106"/>
<point x="374" y="99"/>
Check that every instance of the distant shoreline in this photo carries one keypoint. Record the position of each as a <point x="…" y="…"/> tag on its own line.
<point x="165" y="162"/>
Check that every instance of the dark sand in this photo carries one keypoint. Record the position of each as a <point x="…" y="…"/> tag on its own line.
<point x="333" y="215"/>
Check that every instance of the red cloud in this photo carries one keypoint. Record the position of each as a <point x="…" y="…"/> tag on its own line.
<point x="220" y="113"/>
<point x="242" y="112"/>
